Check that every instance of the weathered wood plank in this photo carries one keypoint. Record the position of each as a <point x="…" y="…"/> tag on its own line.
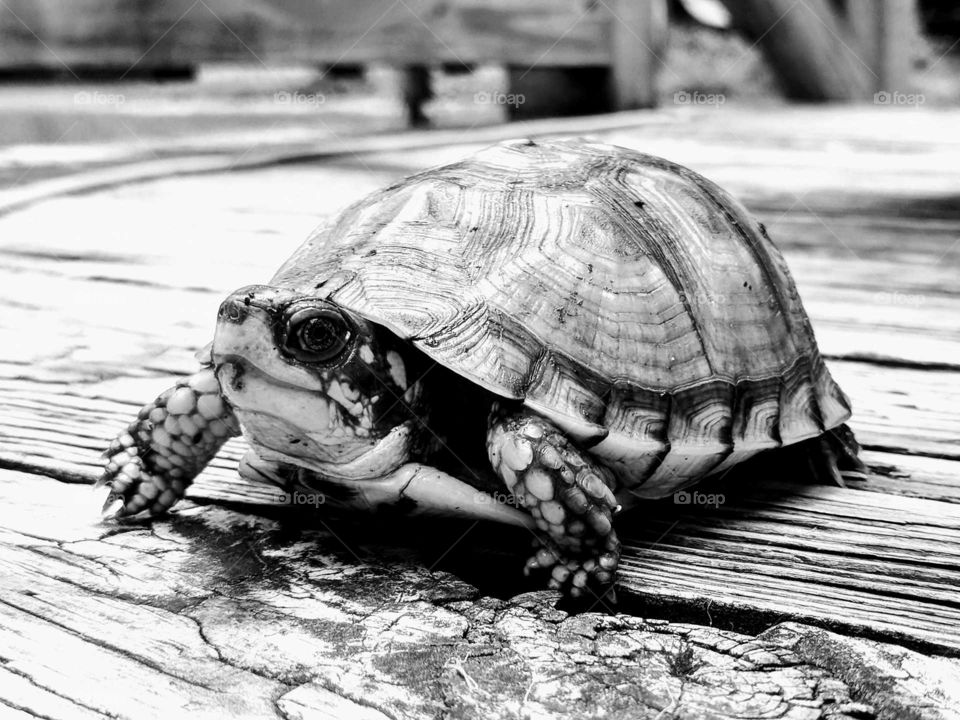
<point x="831" y="161"/>
<point x="213" y="611"/>
<point x="124" y="285"/>
<point x="861" y="561"/>
<point x="903" y="410"/>
<point x="897" y="410"/>
<point x="179" y="32"/>
<point x="896" y="474"/>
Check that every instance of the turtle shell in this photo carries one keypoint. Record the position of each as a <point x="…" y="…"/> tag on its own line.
<point x="627" y="298"/>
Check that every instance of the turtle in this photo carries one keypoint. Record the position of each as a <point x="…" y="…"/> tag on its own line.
<point x="542" y="334"/>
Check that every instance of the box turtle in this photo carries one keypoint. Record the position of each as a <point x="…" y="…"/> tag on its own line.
<point x="541" y="334"/>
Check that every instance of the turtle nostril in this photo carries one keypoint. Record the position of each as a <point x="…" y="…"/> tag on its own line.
<point x="232" y="310"/>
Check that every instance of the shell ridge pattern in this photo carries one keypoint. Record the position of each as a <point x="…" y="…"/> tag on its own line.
<point x="767" y="261"/>
<point x="623" y="200"/>
<point x="763" y="260"/>
<point x="620" y="199"/>
<point x="816" y="367"/>
<point x="579" y="220"/>
<point x="728" y="245"/>
<point x="722" y="202"/>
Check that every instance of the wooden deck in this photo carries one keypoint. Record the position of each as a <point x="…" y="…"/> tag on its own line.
<point x="785" y="601"/>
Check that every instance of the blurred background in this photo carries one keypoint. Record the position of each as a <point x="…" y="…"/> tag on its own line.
<point x="101" y="82"/>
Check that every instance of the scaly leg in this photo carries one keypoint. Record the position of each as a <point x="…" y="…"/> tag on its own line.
<point x="568" y="493"/>
<point x="149" y="466"/>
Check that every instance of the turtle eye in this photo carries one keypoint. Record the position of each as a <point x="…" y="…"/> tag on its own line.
<point x="317" y="335"/>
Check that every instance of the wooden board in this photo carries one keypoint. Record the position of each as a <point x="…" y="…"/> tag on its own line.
<point x="40" y="415"/>
<point x="123" y="285"/>
<point x="868" y="563"/>
<point x="125" y="36"/>
<point x="215" y="611"/>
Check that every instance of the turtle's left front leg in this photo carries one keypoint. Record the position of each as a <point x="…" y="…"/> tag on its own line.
<point x="568" y="493"/>
<point x="149" y="466"/>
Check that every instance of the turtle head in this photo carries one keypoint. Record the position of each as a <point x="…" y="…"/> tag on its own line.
<point x="315" y="384"/>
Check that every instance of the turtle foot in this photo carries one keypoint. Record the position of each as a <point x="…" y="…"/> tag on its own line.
<point x="149" y="466"/>
<point x="134" y="491"/>
<point x="576" y="574"/>
<point x="569" y="495"/>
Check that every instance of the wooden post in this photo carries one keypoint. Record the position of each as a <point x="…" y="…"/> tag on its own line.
<point x="638" y="34"/>
<point x="811" y="50"/>
<point x="416" y="91"/>
<point x="885" y="31"/>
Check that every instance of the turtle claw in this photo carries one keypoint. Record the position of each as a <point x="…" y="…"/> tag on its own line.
<point x="112" y="507"/>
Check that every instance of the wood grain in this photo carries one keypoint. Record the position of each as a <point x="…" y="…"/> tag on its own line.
<point x="808" y="46"/>
<point x="863" y="561"/>
<point x="62" y="429"/>
<point x="107" y="35"/>
<point x="215" y="611"/>
<point x="859" y="561"/>
<point x="116" y="289"/>
<point x="897" y="410"/>
<point x="638" y="39"/>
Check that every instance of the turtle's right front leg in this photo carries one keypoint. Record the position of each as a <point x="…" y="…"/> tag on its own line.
<point x="150" y="465"/>
<point x="568" y="493"/>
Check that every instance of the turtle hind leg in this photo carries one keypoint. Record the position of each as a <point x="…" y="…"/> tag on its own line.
<point x="834" y="454"/>
<point x="823" y="460"/>
<point x="149" y="466"/>
<point x="568" y="493"/>
<point x="845" y="447"/>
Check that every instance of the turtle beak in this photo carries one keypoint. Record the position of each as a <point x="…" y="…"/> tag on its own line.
<point x="246" y="335"/>
<point x="243" y="325"/>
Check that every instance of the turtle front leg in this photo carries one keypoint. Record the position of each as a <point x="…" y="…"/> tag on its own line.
<point x="149" y="466"/>
<point x="568" y="493"/>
